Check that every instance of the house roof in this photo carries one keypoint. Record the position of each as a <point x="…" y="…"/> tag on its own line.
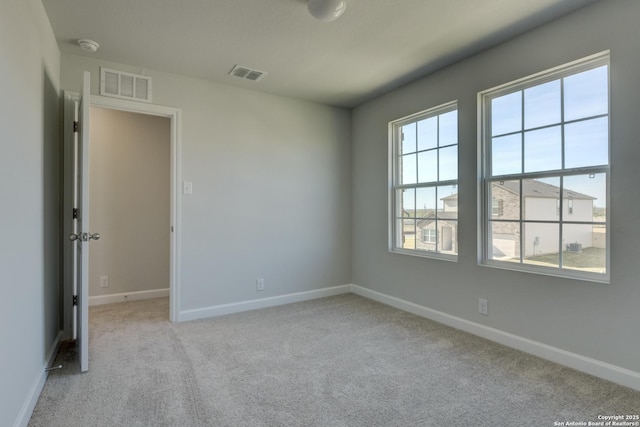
<point x="535" y="188"/>
<point x="442" y="216"/>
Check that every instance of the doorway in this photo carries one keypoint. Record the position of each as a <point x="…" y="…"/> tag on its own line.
<point x="174" y="117"/>
<point x="129" y="184"/>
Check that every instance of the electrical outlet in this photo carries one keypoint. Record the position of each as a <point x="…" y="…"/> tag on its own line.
<point x="260" y="284"/>
<point x="483" y="306"/>
<point x="104" y="281"/>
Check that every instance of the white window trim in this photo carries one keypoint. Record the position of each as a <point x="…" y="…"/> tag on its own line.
<point x="393" y="127"/>
<point x="484" y="205"/>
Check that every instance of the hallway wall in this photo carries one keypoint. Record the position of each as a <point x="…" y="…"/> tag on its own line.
<point x="129" y="201"/>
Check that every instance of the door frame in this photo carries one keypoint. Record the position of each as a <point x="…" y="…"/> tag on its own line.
<point x="174" y="115"/>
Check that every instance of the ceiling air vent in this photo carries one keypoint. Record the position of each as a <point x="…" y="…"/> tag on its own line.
<point x="246" y="73"/>
<point x="119" y="84"/>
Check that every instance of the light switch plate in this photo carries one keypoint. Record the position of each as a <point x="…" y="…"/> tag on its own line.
<point x="187" y="187"/>
<point x="104" y="281"/>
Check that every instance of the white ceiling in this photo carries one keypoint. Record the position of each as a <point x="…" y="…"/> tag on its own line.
<point x="376" y="46"/>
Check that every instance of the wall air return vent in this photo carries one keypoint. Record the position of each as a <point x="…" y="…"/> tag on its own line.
<point x="119" y="84"/>
<point x="246" y="73"/>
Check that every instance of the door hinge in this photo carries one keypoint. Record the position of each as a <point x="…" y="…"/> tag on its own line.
<point x="75" y="213"/>
<point x="76" y="126"/>
<point x="75" y="300"/>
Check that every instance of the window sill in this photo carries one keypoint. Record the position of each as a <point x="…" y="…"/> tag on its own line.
<point x="544" y="271"/>
<point x="426" y="254"/>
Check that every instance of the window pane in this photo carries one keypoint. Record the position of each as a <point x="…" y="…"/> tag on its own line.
<point x="428" y="133"/>
<point x="426" y="202"/>
<point x="449" y="128"/>
<point x="505" y="241"/>
<point x="506" y="195"/>
<point x="408" y="203"/>
<point x="541" y="199"/>
<point x="506" y="155"/>
<point x="408" y="169"/>
<point x="428" y="166"/>
<point x="589" y="193"/>
<point x="586" y="94"/>
<point x="409" y="138"/>
<point x="584" y="247"/>
<point x="541" y="244"/>
<point x="448" y="163"/>
<point x="506" y="113"/>
<point x="407" y="234"/>
<point x="447" y="202"/>
<point x="587" y="143"/>
<point x="542" y="150"/>
<point x="542" y="105"/>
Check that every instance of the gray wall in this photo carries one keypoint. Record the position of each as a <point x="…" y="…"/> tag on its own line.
<point x="30" y="210"/>
<point x="129" y="203"/>
<point x="271" y="188"/>
<point x="596" y="320"/>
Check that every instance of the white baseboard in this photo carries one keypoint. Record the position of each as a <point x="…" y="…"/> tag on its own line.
<point x="128" y="296"/>
<point x="38" y="383"/>
<point x="576" y="361"/>
<point x="219" y="310"/>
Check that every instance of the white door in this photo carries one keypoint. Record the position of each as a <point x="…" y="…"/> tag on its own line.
<point x="82" y="235"/>
<point x="447" y="238"/>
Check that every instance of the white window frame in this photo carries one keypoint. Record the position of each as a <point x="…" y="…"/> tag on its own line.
<point x="485" y="181"/>
<point x="395" y="140"/>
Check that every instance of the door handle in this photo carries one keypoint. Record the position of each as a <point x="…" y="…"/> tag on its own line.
<point x="84" y="237"/>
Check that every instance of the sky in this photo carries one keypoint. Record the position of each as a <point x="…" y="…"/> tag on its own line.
<point x="532" y="130"/>
<point x="530" y="120"/>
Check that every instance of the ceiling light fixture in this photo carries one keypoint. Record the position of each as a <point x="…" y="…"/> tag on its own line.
<point x="326" y="10"/>
<point x="88" y="45"/>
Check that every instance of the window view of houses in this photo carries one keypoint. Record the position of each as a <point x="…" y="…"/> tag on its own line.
<point x="574" y="226"/>
<point x="434" y="226"/>
<point x="545" y="157"/>
<point x="536" y="237"/>
<point x="426" y="167"/>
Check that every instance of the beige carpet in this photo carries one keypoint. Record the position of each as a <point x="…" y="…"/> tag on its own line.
<point x="339" y="361"/>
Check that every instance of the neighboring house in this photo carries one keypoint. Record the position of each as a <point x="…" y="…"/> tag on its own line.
<point x="540" y="202"/>
<point x="421" y="232"/>
<point x="447" y="236"/>
<point x="446" y="221"/>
